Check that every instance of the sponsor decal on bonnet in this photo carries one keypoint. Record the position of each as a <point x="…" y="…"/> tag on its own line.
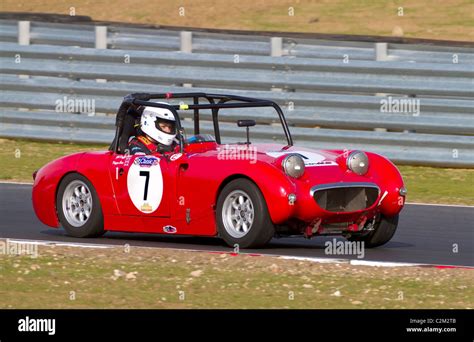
<point x="309" y="158"/>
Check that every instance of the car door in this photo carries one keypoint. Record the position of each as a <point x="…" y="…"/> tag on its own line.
<point x="141" y="184"/>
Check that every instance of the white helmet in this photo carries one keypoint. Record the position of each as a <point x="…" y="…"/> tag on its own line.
<point x="153" y="121"/>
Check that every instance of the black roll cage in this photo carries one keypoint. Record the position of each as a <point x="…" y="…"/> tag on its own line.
<point x="215" y="102"/>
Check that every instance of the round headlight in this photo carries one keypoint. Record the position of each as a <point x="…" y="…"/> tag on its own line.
<point x="358" y="162"/>
<point x="293" y="165"/>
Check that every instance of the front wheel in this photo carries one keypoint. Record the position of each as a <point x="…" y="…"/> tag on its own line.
<point x="383" y="231"/>
<point x="78" y="207"/>
<point x="242" y="215"/>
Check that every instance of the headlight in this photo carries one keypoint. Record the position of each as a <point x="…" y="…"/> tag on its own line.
<point x="358" y="162"/>
<point x="293" y="165"/>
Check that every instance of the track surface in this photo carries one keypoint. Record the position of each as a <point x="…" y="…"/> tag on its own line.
<point x="426" y="234"/>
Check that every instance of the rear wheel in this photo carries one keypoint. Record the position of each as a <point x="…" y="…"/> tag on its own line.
<point x="78" y="207"/>
<point x="383" y="231"/>
<point x="242" y="215"/>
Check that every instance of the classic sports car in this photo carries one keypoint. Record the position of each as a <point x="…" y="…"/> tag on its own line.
<point x="195" y="190"/>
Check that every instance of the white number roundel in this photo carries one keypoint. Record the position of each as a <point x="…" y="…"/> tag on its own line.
<point x="145" y="183"/>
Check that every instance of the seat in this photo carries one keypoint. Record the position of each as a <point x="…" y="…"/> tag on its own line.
<point x="131" y="122"/>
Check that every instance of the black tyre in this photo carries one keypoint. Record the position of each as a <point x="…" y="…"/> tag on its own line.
<point x="78" y="207"/>
<point x="383" y="231"/>
<point x="242" y="215"/>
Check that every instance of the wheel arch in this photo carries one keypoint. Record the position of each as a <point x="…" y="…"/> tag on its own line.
<point x="261" y="227"/>
<point x="229" y="179"/>
<point x="277" y="205"/>
<point x="45" y="186"/>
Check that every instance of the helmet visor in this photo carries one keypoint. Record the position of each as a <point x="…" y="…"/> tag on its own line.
<point x="165" y="126"/>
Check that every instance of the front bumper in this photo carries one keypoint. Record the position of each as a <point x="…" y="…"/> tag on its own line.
<point x="346" y="202"/>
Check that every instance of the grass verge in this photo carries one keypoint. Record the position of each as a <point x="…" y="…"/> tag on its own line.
<point x="68" y="277"/>
<point x="19" y="158"/>
<point x="435" y="19"/>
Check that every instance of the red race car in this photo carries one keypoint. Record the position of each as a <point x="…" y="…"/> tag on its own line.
<point x="243" y="193"/>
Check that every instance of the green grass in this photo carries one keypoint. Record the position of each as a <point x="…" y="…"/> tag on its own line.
<point x="20" y="158"/>
<point x="224" y="282"/>
<point x="439" y="185"/>
<point x="424" y="184"/>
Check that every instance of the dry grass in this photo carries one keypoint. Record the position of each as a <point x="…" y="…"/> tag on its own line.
<point x="66" y="277"/>
<point x="436" y="19"/>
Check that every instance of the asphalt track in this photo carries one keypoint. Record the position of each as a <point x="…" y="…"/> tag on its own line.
<point x="426" y="234"/>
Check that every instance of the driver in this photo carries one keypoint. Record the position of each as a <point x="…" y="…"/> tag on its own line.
<point x="156" y="133"/>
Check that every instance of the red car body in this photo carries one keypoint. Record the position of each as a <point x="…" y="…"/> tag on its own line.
<point x="199" y="188"/>
<point x="193" y="178"/>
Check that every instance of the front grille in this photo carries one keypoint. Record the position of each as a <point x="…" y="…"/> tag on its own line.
<point x="346" y="199"/>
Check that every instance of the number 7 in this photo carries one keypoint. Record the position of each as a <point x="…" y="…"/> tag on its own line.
<point x="147" y="175"/>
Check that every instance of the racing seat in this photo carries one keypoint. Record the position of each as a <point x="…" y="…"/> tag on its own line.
<point x="131" y="122"/>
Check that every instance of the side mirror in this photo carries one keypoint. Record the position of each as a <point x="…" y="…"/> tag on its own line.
<point x="246" y="123"/>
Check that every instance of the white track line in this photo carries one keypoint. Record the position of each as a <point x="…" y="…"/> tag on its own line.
<point x="356" y="262"/>
<point x="58" y="243"/>
<point x="318" y="260"/>
<point x="92" y="245"/>
<point x="353" y="262"/>
<point x="15" y="183"/>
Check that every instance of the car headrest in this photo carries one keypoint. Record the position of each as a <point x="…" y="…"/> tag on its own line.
<point x="129" y="123"/>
